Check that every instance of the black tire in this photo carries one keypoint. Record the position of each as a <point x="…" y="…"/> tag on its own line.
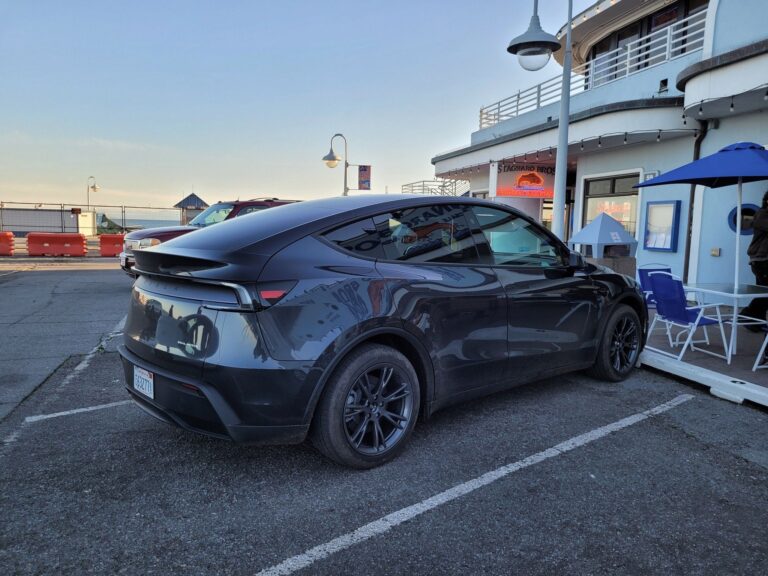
<point x="360" y="396"/>
<point x="619" y="346"/>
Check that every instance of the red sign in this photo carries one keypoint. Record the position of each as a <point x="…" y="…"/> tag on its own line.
<point x="363" y="177"/>
<point x="527" y="185"/>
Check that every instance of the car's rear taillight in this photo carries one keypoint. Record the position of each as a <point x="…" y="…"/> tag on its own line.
<point x="270" y="293"/>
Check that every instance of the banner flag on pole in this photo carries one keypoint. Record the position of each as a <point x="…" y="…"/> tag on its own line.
<point x="364" y="177"/>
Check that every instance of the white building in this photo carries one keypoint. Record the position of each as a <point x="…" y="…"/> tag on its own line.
<point x="656" y="84"/>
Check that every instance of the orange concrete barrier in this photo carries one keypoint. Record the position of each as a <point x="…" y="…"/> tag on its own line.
<point x="6" y="243"/>
<point x="56" y="244"/>
<point x="111" y="244"/>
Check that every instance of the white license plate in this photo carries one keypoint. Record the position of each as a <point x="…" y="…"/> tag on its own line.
<point x="144" y="381"/>
<point x="122" y="261"/>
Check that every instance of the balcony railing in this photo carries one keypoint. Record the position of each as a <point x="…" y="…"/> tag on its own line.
<point x="666" y="44"/>
<point x="437" y="187"/>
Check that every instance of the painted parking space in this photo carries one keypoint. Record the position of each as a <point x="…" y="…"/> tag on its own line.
<point x="668" y="507"/>
<point x="111" y="489"/>
<point x="89" y="483"/>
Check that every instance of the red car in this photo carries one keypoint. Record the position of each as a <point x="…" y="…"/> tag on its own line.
<point x="213" y="215"/>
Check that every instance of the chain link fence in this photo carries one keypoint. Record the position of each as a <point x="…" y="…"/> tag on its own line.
<point x="24" y="217"/>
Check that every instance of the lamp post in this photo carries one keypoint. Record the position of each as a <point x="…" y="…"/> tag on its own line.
<point x="332" y="160"/>
<point x="90" y="188"/>
<point x="533" y="50"/>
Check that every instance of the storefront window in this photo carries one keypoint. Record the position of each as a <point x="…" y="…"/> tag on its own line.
<point x="546" y="214"/>
<point x="614" y="196"/>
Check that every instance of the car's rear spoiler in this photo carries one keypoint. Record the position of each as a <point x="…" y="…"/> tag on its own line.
<point x="244" y="299"/>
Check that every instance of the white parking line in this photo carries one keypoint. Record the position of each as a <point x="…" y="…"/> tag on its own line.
<point x="85" y="362"/>
<point x="388" y="522"/>
<point x="75" y="411"/>
<point x="82" y="365"/>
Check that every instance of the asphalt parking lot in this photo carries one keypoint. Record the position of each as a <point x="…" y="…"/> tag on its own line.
<point x="565" y="476"/>
<point x="49" y="312"/>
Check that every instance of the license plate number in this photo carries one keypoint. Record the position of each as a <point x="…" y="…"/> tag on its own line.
<point x="144" y="381"/>
<point x="122" y="261"/>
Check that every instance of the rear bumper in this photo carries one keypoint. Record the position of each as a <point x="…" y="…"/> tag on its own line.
<point x="198" y="407"/>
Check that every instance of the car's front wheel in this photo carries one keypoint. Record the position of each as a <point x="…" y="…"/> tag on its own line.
<point x="619" y="346"/>
<point x="368" y="409"/>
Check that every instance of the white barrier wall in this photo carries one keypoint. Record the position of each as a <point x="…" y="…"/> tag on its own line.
<point x="20" y="221"/>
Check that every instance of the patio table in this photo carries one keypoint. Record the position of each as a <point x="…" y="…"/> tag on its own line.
<point x="735" y="292"/>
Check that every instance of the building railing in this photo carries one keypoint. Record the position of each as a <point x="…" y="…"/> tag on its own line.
<point x="666" y="44"/>
<point x="437" y="187"/>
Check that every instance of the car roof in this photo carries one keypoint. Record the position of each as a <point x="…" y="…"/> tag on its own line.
<point x="264" y="200"/>
<point x="286" y="223"/>
<point x="321" y="207"/>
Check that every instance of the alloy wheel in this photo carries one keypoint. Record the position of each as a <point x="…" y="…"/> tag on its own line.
<point x="625" y="344"/>
<point x="378" y="409"/>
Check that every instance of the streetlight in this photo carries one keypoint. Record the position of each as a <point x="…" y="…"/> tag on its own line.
<point x="533" y="50"/>
<point x="90" y="188"/>
<point x="332" y="160"/>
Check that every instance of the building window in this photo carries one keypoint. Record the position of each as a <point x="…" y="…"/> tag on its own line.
<point x="696" y="5"/>
<point x="664" y="18"/>
<point x="615" y="196"/>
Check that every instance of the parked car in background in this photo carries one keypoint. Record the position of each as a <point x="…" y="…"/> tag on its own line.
<point x="219" y="212"/>
<point x="348" y="318"/>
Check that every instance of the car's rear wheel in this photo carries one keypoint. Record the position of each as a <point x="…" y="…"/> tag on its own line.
<point x="368" y="409"/>
<point x="619" y="346"/>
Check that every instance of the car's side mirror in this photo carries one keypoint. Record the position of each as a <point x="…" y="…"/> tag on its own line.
<point x="576" y="260"/>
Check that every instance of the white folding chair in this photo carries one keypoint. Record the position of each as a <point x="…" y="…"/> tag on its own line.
<point x="761" y="362"/>
<point x="672" y="309"/>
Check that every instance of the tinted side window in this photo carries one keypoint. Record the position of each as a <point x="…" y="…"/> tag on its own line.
<point x="359" y="237"/>
<point x="514" y="241"/>
<point x="249" y="210"/>
<point x="438" y="233"/>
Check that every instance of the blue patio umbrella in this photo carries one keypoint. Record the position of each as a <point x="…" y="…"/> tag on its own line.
<point x="734" y="164"/>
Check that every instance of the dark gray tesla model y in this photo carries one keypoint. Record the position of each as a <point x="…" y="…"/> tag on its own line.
<point x="347" y="319"/>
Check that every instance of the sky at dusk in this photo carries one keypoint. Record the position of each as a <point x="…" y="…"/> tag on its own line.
<point x="240" y="98"/>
